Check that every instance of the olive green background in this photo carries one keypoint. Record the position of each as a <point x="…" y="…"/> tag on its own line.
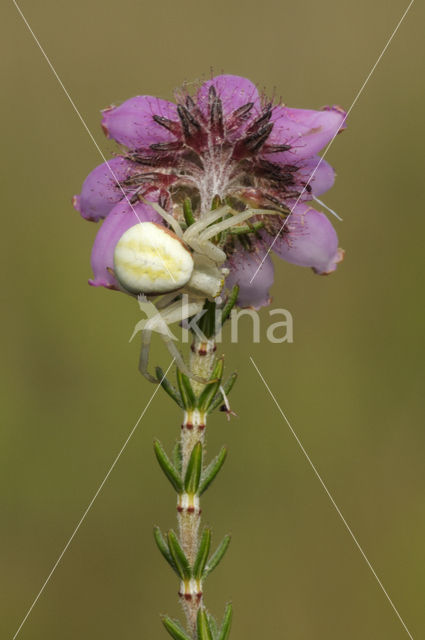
<point x="351" y="383"/>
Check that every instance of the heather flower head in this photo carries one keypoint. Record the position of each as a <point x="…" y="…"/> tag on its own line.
<point x="225" y="144"/>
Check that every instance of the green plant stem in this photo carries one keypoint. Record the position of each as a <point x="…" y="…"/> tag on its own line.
<point x="188" y="507"/>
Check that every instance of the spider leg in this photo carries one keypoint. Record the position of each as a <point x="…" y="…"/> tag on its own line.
<point x="208" y="218"/>
<point x="163" y="302"/>
<point x="176" y="313"/>
<point x="230" y="222"/>
<point x="209" y="249"/>
<point x="144" y="356"/>
<point x="180" y="362"/>
<point x="167" y="217"/>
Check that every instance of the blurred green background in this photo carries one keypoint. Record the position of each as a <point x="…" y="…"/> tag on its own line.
<point x="351" y="383"/>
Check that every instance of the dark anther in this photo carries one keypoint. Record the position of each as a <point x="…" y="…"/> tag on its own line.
<point x="189" y="102"/>
<point x="243" y="111"/>
<point x="145" y="160"/>
<point x="166" y="146"/>
<point x="308" y="188"/>
<point x="190" y="124"/>
<point x="261" y="120"/>
<point x="140" y="178"/>
<point x="216" y="115"/>
<point x="277" y="202"/>
<point x="212" y="94"/>
<point x="167" y="124"/>
<point x="256" y="140"/>
<point x="186" y="117"/>
<point x="277" y="148"/>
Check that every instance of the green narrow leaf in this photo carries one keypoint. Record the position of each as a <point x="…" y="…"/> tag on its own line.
<point x="202" y="555"/>
<point x="194" y="469"/>
<point x="212" y="470"/>
<point x="207" y="322"/>
<point x="186" y="391"/>
<point x="227" y="386"/>
<point x="247" y="228"/>
<point x="210" y="390"/>
<point x="213" y="626"/>
<point x="174" y="629"/>
<point x="168" y="467"/>
<point x="163" y="547"/>
<point x="231" y="301"/>
<point x="179" y="556"/>
<point x="216" y="203"/>
<point x="202" y="626"/>
<point x="217" y="556"/>
<point x="188" y="212"/>
<point x="178" y="456"/>
<point x="168" y="387"/>
<point x="227" y="623"/>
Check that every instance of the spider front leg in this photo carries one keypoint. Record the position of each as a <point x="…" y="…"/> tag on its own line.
<point x="217" y="228"/>
<point x="205" y="220"/>
<point x="192" y="235"/>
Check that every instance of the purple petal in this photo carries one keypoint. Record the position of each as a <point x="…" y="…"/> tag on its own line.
<point x="318" y="174"/>
<point x="121" y="218"/>
<point x="132" y="123"/>
<point x="243" y="266"/>
<point x="314" y="171"/>
<point x="100" y="191"/>
<point x="234" y="92"/>
<point x="307" y="131"/>
<point x="310" y="241"/>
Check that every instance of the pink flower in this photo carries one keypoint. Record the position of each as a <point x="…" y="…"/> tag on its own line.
<point x="224" y="143"/>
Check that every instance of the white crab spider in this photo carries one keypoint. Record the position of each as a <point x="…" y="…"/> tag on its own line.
<point x="152" y="260"/>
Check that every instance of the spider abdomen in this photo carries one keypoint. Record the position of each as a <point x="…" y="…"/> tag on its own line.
<point x="151" y="259"/>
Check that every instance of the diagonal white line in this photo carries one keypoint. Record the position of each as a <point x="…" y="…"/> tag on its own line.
<point x="83" y="517"/>
<point x="360" y="91"/>
<point x="319" y="477"/>
<point x="83" y="122"/>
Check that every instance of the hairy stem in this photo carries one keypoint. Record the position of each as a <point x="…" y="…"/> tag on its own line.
<point x="188" y="505"/>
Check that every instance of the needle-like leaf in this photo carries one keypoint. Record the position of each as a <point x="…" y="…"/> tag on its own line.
<point x="202" y="555"/>
<point x="231" y="301"/>
<point x="202" y="626"/>
<point x="163" y="547"/>
<point x="188" y="212"/>
<point x="168" y="387"/>
<point x="227" y="623"/>
<point x="174" y="629"/>
<point x="211" y="471"/>
<point x="186" y="391"/>
<point x="194" y="470"/>
<point x="208" y="394"/>
<point x="227" y="387"/>
<point x="217" y="556"/>
<point x="179" y="556"/>
<point x="167" y="466"/>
